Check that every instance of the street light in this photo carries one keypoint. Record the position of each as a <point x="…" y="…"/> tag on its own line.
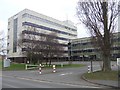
<point x="69" y="52"/>
<point x="91" y="64"/>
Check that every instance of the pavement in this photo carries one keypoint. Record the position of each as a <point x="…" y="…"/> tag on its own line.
<point x="109" y="83"/>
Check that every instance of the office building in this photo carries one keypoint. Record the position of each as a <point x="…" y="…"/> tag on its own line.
<point x="22" y="21"/>
<point x="83" y="48"/>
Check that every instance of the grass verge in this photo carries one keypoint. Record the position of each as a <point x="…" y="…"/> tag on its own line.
<point x="17" y="66"/>
<point x="0" y="64"/>
<point x="70" y="65"/>
<point x="65" y="66"/>
<point x="100" y="75"/>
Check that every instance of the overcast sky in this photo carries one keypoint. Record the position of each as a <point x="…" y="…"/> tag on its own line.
<point x="58" y="9"/>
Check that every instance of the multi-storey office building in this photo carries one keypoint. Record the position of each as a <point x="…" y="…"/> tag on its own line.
<point x="44" y="25"/>
<point x="83" y="49"/>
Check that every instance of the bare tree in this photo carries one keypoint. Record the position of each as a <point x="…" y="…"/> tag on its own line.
<point x="53" y="48"/>
<point x="27" y="43"/>
<point x="38" y="46"/>
<point x="100" y="17"/>
<point x="3" y="49"/>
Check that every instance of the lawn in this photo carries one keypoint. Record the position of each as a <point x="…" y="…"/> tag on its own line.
<point x="17" y="66"/>
<point x="99" y="75"/>
<point x="65" y="66"/>
<point x="70" y="65"/>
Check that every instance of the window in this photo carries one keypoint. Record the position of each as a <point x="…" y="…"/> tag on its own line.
<point x="24" y="15"/>
<point x="8" y="23"/>
<point x="8" y="36"/>
<point x="46" y="21"/>
<point x="8" y="44"/>
<point x="8" y="29"/>
<point x="15" y="25"/>
<point x="7" y="51"/>
<point x="46" y="28"/>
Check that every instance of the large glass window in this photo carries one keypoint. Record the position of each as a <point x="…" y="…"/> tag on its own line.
<point x="41" y="34"/>
<point x="46" y="28"/>
<point x="46" y="21"/>
<point x="15" y="25"/>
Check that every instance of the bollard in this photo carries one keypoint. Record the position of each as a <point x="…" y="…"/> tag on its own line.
<point x="118" y="61"/>
<point x="54" y="69"/>
<point x="89" y="69"/>
<point x="28" y="62"/>
<point x="40" y="69"/>
<point x="26" y="66"/>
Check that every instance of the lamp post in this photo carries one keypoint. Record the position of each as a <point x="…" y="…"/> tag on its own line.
<point x="91" y="57"/>
<point x="69" y="52"/>
<point x="91" y="66"/>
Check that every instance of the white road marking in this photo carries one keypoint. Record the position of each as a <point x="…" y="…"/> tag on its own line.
<point x="66" y="74"/>
<point x="62" y="74"/>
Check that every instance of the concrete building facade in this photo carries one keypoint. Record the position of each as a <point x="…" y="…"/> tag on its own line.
<point x="25" y="19"/>
<point x="83" y="49"/>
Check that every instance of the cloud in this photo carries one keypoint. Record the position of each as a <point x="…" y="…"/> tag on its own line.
<point x="58" y="9"/>
<point x="2" y="25"/>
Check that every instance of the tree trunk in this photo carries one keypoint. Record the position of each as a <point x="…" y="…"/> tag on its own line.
<point x="106" y="63"/>
<point x="46" y="61"/>
<point x="106" y="40"/>
<point x="50" y="62"/>
<point x="70" y="62"/>
<point x="40" y="60"/>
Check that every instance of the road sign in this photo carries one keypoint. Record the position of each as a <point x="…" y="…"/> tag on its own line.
<point x="7" y="62"/>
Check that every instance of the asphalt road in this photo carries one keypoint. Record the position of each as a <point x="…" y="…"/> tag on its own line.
<point x="11" y="82"/>
<point x="63" y="78"/>
<point x="46" y="80"/>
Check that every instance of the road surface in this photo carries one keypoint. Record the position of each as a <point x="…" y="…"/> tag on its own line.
<point x="63" y="78"/>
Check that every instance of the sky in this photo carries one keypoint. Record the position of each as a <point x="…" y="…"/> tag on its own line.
<point x="58" y="9"/>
